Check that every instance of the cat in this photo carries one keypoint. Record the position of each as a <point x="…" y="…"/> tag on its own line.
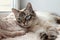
<point x="33" y="22"/>
<point x="27" y="20"/>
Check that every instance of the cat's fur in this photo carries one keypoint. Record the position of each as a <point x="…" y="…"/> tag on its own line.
<point x="35" y="22"/>
<point x="9" y="27"/>
<point x="28" y="20"/>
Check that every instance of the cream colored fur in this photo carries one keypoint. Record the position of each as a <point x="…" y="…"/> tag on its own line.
<point x="9" y="27"/>
<point x="45" y="20"/>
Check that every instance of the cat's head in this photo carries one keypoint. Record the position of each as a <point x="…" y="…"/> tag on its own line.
<point x="25" y="17"/>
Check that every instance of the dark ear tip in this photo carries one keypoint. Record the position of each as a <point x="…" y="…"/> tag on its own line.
<point x="29" y="4"/>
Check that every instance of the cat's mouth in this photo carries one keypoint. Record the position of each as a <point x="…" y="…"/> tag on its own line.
<point x="24" y="26"/>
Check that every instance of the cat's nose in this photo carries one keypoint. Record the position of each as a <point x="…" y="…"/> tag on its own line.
<point x="25" y="24"/>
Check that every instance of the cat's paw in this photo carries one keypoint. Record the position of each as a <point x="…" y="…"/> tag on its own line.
<point x="52" y="37"/>
<point x="52" y="33"/>
<point x="43" y="36"/>
<point x="2" y="36"/>
<point x="17" y="33"/>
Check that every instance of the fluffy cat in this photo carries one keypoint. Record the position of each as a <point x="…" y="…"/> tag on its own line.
<point x="27" y="20"/>
<point x="38" y="23"/>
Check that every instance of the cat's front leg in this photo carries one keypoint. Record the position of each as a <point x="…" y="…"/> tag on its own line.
<point x="43" y="36"/>
<point x="15" y="33"/>
<point x="52" y="33"/>
<point x="6" y="33"/>
<point x="2" y="36"/>
<point x="52" y="36"/>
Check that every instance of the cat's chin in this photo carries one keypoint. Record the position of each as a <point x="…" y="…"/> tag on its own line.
<point x="25" y="26"/>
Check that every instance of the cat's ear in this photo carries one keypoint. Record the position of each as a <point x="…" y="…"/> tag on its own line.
<point x="15" y="10"/>
<point x="29" y="7"/>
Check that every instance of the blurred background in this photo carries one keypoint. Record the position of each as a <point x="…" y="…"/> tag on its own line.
<point x="40" y="5"/>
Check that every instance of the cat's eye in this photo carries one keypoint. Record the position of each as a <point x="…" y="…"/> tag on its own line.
<point x="19" y="19"/>
<point x="28" y="17"/>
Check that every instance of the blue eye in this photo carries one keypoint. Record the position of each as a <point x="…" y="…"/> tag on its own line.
<point x="28" y="17"/>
